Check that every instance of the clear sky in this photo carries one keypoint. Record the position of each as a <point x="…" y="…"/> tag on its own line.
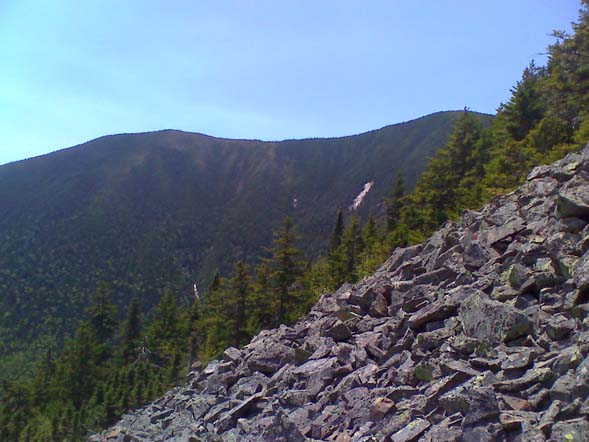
<point x="73" y="70"/>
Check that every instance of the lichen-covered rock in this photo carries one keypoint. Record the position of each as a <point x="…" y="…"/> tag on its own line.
<point x="479" y="334"/>
<point x="493" y="321"/>
<point x="573" y="199"/>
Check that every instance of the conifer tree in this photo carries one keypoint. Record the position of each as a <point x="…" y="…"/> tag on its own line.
<point x="284" y="271"/>
<point x="262" y="310"/>
<point x="394" y="203"/>
<point x="368" y="233"/>
<point x="526" y="106"/>
<point x="352" y="247"/>
<point x="164" y="328"/>
<point x="338" y="229"/>
<point x="238" y="302"/>
<point x="212" y="321"/>
<point x="78" y="364"/>
<point x="102" y="314"/>
<point x="436" y="188"/>
<point x="131" y="334"/>
<point x="195" y="330"/>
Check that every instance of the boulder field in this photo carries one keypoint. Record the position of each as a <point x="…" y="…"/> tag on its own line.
<point x="479" y="334"/>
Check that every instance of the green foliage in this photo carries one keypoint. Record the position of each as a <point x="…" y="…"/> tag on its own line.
<point x="98" y="375"/>
<point x="394" y="203"/>
<point x="156" y="211"/>
<point x="102" y="314"/>
<point x="284" y="269"/>
<point x="131" y="332"/>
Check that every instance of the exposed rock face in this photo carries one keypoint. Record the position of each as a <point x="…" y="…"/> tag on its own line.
<point x="479" y="334"/>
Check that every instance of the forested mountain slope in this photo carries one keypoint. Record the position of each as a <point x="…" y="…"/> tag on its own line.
<point x="161" y="210"/>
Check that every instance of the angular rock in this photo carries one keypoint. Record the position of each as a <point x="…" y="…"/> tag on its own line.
<point x="492" y="321"/>
<point x="503" y="231"/>
<point x="433" y="339"/>
<point x="475" y="255"/>
<point x="564" y="388"/>
<point x="379" y="307"/>
<point x="532" y="376"/>
<point x="339" y="332"/>
<point x="229" y="419"/>
<point x="575" y="430"/>
<point x="435" y="311"/>
<point x="232" y="354"/>
<point x="574" y="201"/>
<point x="516" y="403"/>
<point x="521" y="358"/>
<point x="380" y="407"/>
<point x="411" y="432"/>
<point x="268" y="355"/>
<point x="282" y="430"/>
<point x="559" y="327"/>
<point x="581" y="278"/>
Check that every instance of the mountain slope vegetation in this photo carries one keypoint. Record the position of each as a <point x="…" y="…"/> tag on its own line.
<point x="163" y="210"/>
<point x="104" y="369"/>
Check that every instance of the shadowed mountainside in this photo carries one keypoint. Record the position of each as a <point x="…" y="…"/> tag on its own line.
<point x="159" y="210"/>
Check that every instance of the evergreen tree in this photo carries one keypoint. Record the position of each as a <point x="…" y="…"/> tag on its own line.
<point x="131" y="334"/>
<point x="338" y="229"/>
<point x="213" y="320"/>
<point x="394" y="203"/>
<point x="102" y="314"/>
<point x="352" y="247"/>
<point x="436" y="188"/>
<point x="262" y="310"/>
<point x="368" y="233"/>
<point x="526" y="107"/>
<point x="164" y="329"/>
<point x="78" y="364"/>
<point x="215" y="282"/>
<point x="284" y="271"/>
<point x="194" y="330"/>
<point x="238" y="302"/>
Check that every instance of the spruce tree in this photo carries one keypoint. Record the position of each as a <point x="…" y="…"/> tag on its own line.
<point x="164" y="328"/>
<point x="394" y="203"/>
<point x="262" y="309"/>
<point x="284" y="271"/>
<point x="435" y="194"/>
<point x="338" y="229"/>
<point x="131" y="334"/>
<point x="238" y="302"/>
<point x="102" y="314"/>
<point x="78" y="364"/>
<point x="352" y="247"/>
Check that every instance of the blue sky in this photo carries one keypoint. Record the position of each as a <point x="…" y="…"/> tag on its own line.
<point x="71" y="71"/>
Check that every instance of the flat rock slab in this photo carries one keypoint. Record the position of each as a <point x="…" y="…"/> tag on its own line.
<point x="411" y="432"/>
<point x="435" y="311"/>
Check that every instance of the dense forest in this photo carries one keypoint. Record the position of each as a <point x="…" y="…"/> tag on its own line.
<point x="162" y="210"/>
<point x="105" y="369"/>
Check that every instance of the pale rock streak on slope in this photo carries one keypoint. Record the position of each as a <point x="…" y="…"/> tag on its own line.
<point x="360" y="198"/>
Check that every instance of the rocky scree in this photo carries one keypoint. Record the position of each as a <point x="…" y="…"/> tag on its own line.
<point x="479" y="334"/>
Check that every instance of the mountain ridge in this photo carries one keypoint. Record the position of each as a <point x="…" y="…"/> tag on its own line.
<point x="335" y="137"/>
